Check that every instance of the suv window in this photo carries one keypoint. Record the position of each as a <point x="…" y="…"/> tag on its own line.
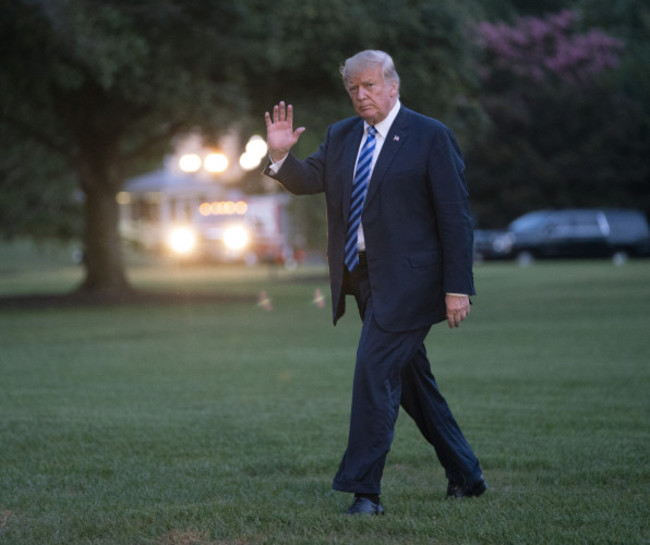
<point x="529" y="221"/>
<point x="590" y="225"/>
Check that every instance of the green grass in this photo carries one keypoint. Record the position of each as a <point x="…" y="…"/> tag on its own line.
<point x="208" y="423"/>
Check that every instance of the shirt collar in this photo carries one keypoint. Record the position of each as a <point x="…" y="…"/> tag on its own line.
<point x="384" y="126"/>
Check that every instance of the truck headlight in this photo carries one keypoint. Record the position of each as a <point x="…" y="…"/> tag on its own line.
<point x="236" y="238"/>
<point x="182" y="240"/>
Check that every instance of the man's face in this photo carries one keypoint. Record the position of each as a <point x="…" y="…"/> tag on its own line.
<point x="372" y="96"/>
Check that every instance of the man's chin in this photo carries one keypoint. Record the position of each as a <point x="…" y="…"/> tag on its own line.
<point x="369" y="116"/>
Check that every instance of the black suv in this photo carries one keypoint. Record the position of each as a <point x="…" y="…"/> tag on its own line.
<point x="575" y="233"/>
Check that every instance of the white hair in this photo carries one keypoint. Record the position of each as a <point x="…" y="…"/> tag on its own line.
<point x="367" y="59"/>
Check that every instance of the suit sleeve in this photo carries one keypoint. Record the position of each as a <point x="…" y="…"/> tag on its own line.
<point x="451" y="203"/>
<point x="302" y="177"/>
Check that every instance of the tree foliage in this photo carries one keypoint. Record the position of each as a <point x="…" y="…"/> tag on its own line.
<point x="39" y="196"/>
<point x="104" y="87"/>
<point x="308" y="40"/>
<point x="545" y="50"/>
<point x="101" y="87"/>
<point x="552" y="109"/>
<point x="563" y="132"/>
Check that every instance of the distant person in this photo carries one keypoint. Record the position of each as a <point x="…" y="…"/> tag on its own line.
<point x="400" y="242"/>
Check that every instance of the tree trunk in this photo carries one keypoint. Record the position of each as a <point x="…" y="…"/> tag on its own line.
<point x="103" y="260"/>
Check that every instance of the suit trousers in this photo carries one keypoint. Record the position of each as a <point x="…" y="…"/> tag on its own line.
<point x="392" y="369"/>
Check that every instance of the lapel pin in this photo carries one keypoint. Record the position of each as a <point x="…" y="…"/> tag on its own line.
<point x="396" y="138"/>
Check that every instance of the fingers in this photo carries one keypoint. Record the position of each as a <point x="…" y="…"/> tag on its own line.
<point x="288" y="114"/>
<point x="455" y="318"/>
<point x="457" y="309"/>
<point x="281" y="114"/>
<point x="280" y="135"/>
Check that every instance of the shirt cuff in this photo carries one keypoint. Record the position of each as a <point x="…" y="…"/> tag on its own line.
<point x="458" y="294"/>
<point x="275" y="167"/>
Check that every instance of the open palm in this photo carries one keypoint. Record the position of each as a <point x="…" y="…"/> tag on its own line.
<point x="280" y="136"/>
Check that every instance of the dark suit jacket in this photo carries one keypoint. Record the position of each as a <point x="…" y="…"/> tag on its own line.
<point x="416" y="220"/>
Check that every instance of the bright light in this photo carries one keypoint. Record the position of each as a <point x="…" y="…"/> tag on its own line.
<point x="123" y="198"/>
<point x="182" y="240"/>
<point x="249" y="161"/>
<point x="256" y="149"/>
<point x="241" y="207"/>
<point x="223" y="208"/>
<point x="205" y="209"/>
<point x="216" y="162"/>
<point x="190" y="162"/>
<point x="236" y="238"/>
<point x="256" y="146"/>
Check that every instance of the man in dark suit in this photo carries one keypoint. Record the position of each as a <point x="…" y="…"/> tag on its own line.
<point x="400" y="242"/>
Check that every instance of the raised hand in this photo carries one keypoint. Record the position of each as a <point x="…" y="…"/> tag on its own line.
<point x="280" y="136"/>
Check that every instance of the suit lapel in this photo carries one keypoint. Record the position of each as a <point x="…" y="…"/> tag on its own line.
<point x="394" y="141"/>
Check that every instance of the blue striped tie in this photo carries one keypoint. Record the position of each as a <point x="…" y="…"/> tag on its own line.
<point x="359" y="190"/>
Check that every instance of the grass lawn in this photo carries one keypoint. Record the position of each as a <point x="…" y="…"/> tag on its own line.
<point x="222" y="423"/>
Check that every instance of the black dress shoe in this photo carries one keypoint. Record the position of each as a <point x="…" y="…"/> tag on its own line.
<point x="364" y="506"/>
<point x="458" y="490"/>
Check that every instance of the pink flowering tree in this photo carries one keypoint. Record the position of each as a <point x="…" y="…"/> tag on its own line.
<point x="562" y="130"/>
<point x="547" y="48"/>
